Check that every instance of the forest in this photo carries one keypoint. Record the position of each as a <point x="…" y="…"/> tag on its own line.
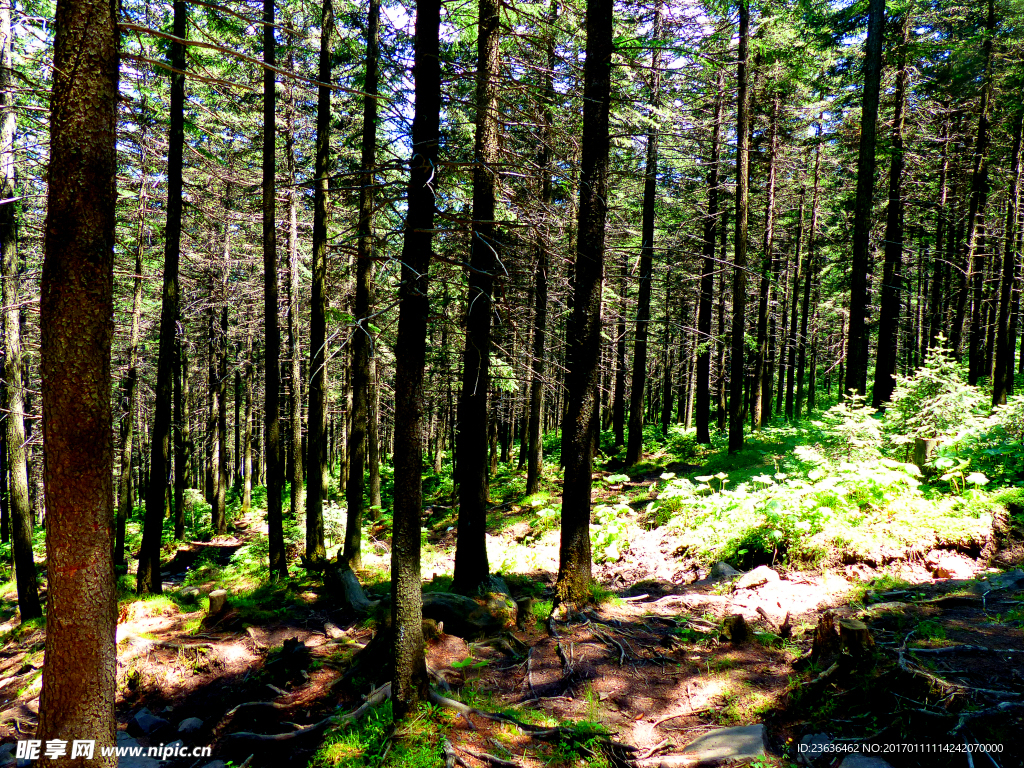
<point x="562" y="383"/>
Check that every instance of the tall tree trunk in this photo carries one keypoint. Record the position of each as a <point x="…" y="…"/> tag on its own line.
<point x="296" y="475"/>
<point x="739" y="281"/>
<point x="635" y="444"/>
<point x="409" y="683"/>
<point x="860" y="264"/>
<point x="471" y="553"/>
<point x="535" y="458"/>
<point x="130" y="388"/>
<point x="272" y="353"/>
<point x="373" y="439"/>
<point x="220" y="507"/>
<point x="76" y="322"/>
<point x="316" y="410"/>
<point x="791" y="342"/>
<point x="1006" y="337"/>
<point x="148" y="576"/>
<point x="762" y="387"/>
<point x="975" y="254"/>
<point x="363" y="341"/>
<point x="21" y="509"/>
<point x="247" y="436"/>
<point x="707" y="278"/>
<point x="939" y="267"/>
<point x="892" y="274"/>
<point x="181" y="436"/>
<point x="574" y="561"/>
<point x="721" y="410"/>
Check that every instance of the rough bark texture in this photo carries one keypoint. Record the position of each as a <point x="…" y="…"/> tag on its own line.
<point x="471" y="553"/>
<point x="21" y="508"/>
<point x="892" y="273"/>
<point x="316" y="408"/>
<point x="791" y="341"/>
<point x="574" y="561"/>
<point x="1006" y="337"/>
<point x="761" y="395"/>
<point x="148" y="576"/>
<point x="860" y="264"/>
<point x="739" y="280"/>
<point x="635" y="439"/>
<point x="707" y="279"/>
<point x="409" y="683"/>
<point x="808" y="279"/>
<point x="76" y="318"/>
<point x="362" y="342"/>
<point x="272" y="356"/>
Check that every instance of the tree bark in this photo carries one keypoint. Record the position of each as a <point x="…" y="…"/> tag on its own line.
<point x="762" y="387"/>
<point x="1006" y="337"/>
<point x="21" y="508"/>
<point x="791" y="341"/>
<point x="892" y="274"/>
<point x="316" y="409"/>
<point x="739" y="281"/>
<point x="635" y="440"/>
<point x="272" y="352"/>
<point x="148" y="576"/>
<point x="535" y="458"/>
<point x="76" y="320"/>
<point x="860" y="263"/>
<point x="471" y="566"/>
<point x="409" y="682"/>
<point x="362" y="343"/>
<point x="707" y="278"/>
<point x="574" y="563"/>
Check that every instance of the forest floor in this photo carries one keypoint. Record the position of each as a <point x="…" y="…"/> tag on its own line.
<point x="652" y="665"/>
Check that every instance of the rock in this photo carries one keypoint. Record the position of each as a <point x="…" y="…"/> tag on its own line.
<point x="952" y="567"/>
<point x="190" y="593"/>
<point x="1008" y="580"/>
<point x="728" y="745"/>
<point x="218" y="600"/>
<point x="145" y="723"/>
<point x="863" y="761"/>
<point x="755" y="578"/>
<point x="859" y="573"/>
<point x="190" y="726"/>
<point x="520" y="531"/>
<point x="7" y="757"/>
<point x="812" y="748"/>
<point x="722" y="570"/>
<point x="333" y="631"/>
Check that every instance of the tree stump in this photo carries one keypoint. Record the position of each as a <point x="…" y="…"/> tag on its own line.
<point x="924" y="451"/>
<point x="855" y="638"/>
<point x="218" y="601"/>
<point x="737" y="628"/>
<point x="346" y="589"/>
<point x="826" y="638"/>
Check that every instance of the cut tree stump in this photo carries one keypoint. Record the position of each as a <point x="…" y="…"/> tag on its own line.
<point x="737" y="628"/>
<point x="826" y="638"/>
<point x="924" y="451"/>
<point x="855" y="639"/>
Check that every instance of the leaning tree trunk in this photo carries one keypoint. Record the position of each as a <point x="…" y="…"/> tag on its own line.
<point x="707" y="279"/>
<point x="574" y="561"/>
<point x="860" y="263"/>
<point x="892" y="273"/>
<point x="739" y="280"/>
<point x="21" y="508"/>
<point x="635" y="439"/>
<point x="362" y="343"/>
<point x="409" y="682"/>
<point x="471" y="553"/>
<point x="76" y="322"/>
<point x="148" y="576"/>
<point x="272" y="353"/>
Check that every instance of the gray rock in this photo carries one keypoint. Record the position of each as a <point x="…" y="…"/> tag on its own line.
<point x="863" y="761"/>
<point x="755" y="578"/>
<point x="190" y="593"/>
<point x="333" y="631"/>
<point x="812" y="748"/>
<point x="190" y="726"/>
<point x="1008" y="580"/>
<point x="722" y="570"/>
<point x="145" y="723"/>
<point x="23" y="763"/>
<point x="7" y="749"/>
<point x="218" y="599"/>
<point x="728" y="744"/>
<point x="7" y="757"/>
